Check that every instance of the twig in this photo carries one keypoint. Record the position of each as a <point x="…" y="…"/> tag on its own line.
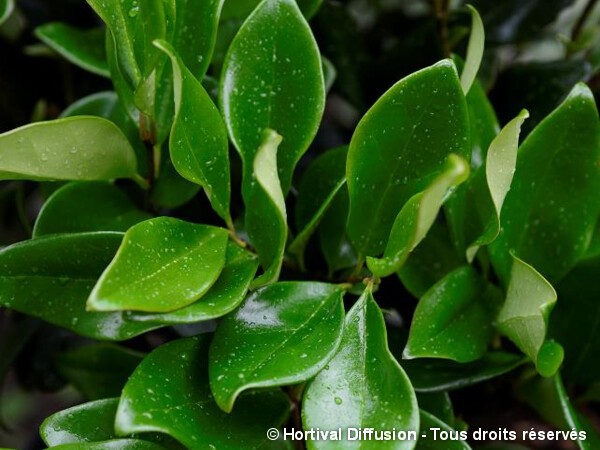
<point x="578" y="28"/>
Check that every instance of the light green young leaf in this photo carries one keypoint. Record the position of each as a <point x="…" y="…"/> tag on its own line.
<point x="283" y="334"/>
<point x="399" y="147"/>
<point x="417" y="216"/>
<point x="6" y="8"/>
<point x="51" y="278"/>
<point x="75" y="148"/>
<point x="474" y="51"/>
<point x="525" y="314"/>
<point x="266" y="217"/>
<point x="162" y="265"/>
<point x="362" y="386"/>
<point x="453" y="320"/>
<point x="84" y="48"/>
<point x="272" y="78"/>
<point x="198" y="142"/>
<point x="180" y="404"/>
<point x="550" y="212"/>
<point x="106" y="208"/>
<point x="223" y="297"/>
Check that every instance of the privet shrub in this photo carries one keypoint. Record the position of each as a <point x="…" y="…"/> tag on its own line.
<point x="279" y="297"/>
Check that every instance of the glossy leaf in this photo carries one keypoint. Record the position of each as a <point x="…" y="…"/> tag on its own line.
<point x="179" y="402"/>
<point x="453" y="319"/>
<point x="575" y="323"/>
<point x="51" y="278"/>
<point x="437" y="403"/>
<point x="550" y="212"/>
<point x="84" y="48"/>
<point x="171" y="190"/>
<point x="6" y="8"/>
<point x="475" y="213"/>
<point x="432" y="260"/>
<point x="113" y="444"/>
<point x="282" y="334"/>
<point x="525" y="314"/>
<point x="429" y="421"/>
<point x="399" y="147"/>
<point x="99" y="370"/>
<point x="474" y="51"/>
<point x="266" y="217"/>
<point x="549" y="398"/>
<point x="437" y="375"/>
<point x="272" y="78"/>
<point x="106" y="208"/>
<point x="417" y="216"/>
<point x="162" y="265"/>
<point x="75" y="148"/>
<point x="223" y="297"/>
<point x="322" y="177"/>
<point x="198" y="141"/>
<point x="362" y="386"/>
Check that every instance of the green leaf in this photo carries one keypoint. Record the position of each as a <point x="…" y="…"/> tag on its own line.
<point x="475" y="212"/>
<point x="429" y="421"/>
<point x="75" y="148"/>
<point x="171" y="190"/>
<point x="362" y="386"/>
<point x="399" y="147"/>
<point x="309" y="7"/>
<point x="134" y="26"/>
<point x="84" y="48"/>
<point x="51" y="278"/>
<point x="199" y="148"/>
<point x="179" y="402"/>
<point x="417" y="216"/>
<point x="575" y="323"/>
<point x="474" y="51"/>
<point x="272" y="78"/>
<point x="437" y="403"/>
<point x="438" y="375"/>
<point x="453" y="320"/>
<point x="266" y="217"/>
<point x="524" y="317"/>
<point x="98" y="370"/>
<point x="88" y="422"/>
<point x="223" y="297"/>
<point x="550" y="212"/>
<point x="322" y="177"/>
<point x="549" y="398"/>
<point x="6" y="8"/>
<point x="113" y="444"/>
<point x="432" y="260"/>
<point x="162" y="265"/>
<point x="106" y="208"/>
<point x="282" y="334"/>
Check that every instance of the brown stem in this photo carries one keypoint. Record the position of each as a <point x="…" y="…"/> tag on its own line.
<point x="578" y="28"/>
<point x="148" y="137"/>
<point x="441" y="11"/>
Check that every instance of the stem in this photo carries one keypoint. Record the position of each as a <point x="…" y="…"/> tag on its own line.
<point x="441" y="11"/>
<point x="578" y="28"/>
<point x="148" y="137"/>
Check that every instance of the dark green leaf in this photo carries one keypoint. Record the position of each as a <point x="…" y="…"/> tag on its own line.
<point x="98" y="370"/>
<point x="453" y="319"/>
<point x="433" y="259"/>
<point x="266" y="217"/>
<point x="84" y="48"/>
<point x="417" y="216"/>
<point x="51" y="278"/>
<point x="113" y="444"/>
<point x="6" y="8"/>
<point x="282" y="334"/>
<point x="429" y="421"/>
<point x="399" y="146"/>
<point x="198" y="142"/>
<point x="179" y="402"/>
<point x="106" y="208"/>
<point x="223" y="297"/>
<point x="525" y="314"/>
<point x="550" y="212"/>
<point x="575" y="322"/>
<point x="435" y="375"/>
<point x="75" y="148"/>
<point x="362" y="386"/>
<point x="171" y="190"/>
<point x="162" y="265"/>
<point x="272" y="78"/>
